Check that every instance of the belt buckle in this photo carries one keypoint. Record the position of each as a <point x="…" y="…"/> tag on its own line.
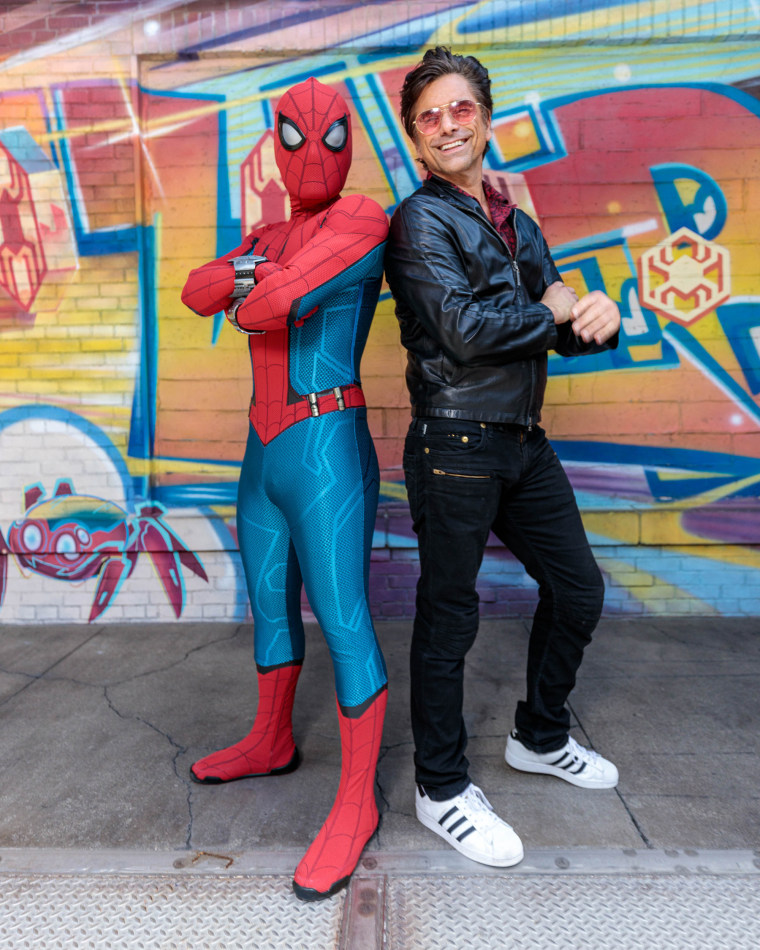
<point x="313" y="399"/>
<point x="338" y="393"/>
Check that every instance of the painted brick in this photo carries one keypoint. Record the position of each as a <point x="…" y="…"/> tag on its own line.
<point x="402" y="581"/>
<point x="386" y="568"/>
<point x="395" y="611"/>
<point x="82" y="357"/>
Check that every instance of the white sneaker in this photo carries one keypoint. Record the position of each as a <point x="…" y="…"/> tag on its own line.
<point x="573" y="763"/>
<point x="469" y="824"/>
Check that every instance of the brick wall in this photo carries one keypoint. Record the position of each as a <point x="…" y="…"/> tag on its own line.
<point x="125" y="131"/>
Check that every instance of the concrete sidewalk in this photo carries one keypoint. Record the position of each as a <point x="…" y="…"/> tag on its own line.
<point x="100" y="725"/>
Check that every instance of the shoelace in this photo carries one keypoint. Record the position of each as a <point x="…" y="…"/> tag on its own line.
<point x="481" y="807"/>
<point x="580" y="752"/>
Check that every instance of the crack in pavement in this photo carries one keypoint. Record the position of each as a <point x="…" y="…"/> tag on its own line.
<point x="106" y="688"/>
<point x="36" y="677"/>
<point x="634" y="821"/>
<point x="179" y="750"/>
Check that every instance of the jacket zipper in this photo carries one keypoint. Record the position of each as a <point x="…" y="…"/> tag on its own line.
<point x="518" y="285"/>
<point x="532" y="394"/>
<point x="510" y="255"/>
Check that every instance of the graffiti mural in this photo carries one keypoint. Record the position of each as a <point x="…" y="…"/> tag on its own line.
<point x="628" y="129"/>
<point x="73" y="537"/>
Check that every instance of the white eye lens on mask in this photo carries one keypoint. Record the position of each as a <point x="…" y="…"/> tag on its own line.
<point x="336" y="136"/>
<point x="290" y="135"/>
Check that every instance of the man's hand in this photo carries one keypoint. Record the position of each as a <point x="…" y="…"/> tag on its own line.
<point x="595" y="317"/>
<point x="560" y="299"/>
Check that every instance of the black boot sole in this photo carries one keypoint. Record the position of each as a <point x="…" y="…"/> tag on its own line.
<point x="283" y="770"/>
<point x="310" y="894"/>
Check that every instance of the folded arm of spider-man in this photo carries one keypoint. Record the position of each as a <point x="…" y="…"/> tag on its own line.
<point x="348" y="232"/>
<point x="208" y="288"/>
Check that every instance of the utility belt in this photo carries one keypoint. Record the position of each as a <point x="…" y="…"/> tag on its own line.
<point x="336" y="399"/>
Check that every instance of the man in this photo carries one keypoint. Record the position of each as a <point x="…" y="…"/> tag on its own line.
<point x="304" y="292"/>
<point x="479" y="302"/>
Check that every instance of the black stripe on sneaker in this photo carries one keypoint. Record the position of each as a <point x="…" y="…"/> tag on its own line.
<point x="567" y="761"/>
<point x="449" y="813"/>
<point x="452" y="828"/>
<point x="465" y="833"/>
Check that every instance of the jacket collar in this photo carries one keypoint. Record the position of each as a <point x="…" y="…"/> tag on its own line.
<point x="445" y="189"/>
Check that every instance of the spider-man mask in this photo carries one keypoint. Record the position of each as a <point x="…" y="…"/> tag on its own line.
<point x="313" y="143"/>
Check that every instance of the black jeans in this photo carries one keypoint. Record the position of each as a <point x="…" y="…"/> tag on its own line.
<point x="465" y="479"/>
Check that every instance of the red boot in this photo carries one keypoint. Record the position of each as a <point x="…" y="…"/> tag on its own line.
<point x="328" y="864"/>
<point x="268" y="749"/>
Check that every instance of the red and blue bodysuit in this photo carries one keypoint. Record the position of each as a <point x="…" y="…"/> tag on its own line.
<point x="308" y="490"/>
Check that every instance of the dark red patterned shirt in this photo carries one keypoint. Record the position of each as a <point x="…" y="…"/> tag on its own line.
<point x="500" y="208"/>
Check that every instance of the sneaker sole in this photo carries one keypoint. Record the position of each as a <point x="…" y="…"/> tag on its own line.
<point x="523" y="765"/>
<point x="461" y="846"/>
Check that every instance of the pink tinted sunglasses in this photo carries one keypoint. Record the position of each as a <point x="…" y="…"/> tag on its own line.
<point x="462" y="111"/>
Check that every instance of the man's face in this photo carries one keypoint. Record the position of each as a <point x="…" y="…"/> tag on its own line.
<point x="453" y="152"/>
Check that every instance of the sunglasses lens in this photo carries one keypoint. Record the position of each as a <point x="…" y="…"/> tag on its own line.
<point x="463" y="111"/>
<point x="428" y="121"/>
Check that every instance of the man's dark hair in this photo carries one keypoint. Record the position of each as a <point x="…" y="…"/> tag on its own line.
<point x="442" y="62"/>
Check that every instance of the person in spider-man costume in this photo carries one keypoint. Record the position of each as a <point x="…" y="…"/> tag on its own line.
<point x="304" y="290"/>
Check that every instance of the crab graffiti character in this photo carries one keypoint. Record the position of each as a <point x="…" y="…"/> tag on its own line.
<point x="304" y="291"/>
<point x="75" y="537"/>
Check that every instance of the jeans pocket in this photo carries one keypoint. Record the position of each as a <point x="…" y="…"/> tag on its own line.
<point x="443" y="473"/>
<point x="456" y="437"/>
<point x="465" y="468"/>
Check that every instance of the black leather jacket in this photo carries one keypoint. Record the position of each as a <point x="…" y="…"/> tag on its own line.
<point x="470" y="315"/>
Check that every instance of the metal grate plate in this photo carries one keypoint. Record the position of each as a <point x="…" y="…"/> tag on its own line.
<point x="414" y="901"/>
<point x="588" y="912"/>
<point x="125" y="912"/>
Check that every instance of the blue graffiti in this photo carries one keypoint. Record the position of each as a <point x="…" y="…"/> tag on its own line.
<point x="740" y="320"/>
<point x="705" y="213"/>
